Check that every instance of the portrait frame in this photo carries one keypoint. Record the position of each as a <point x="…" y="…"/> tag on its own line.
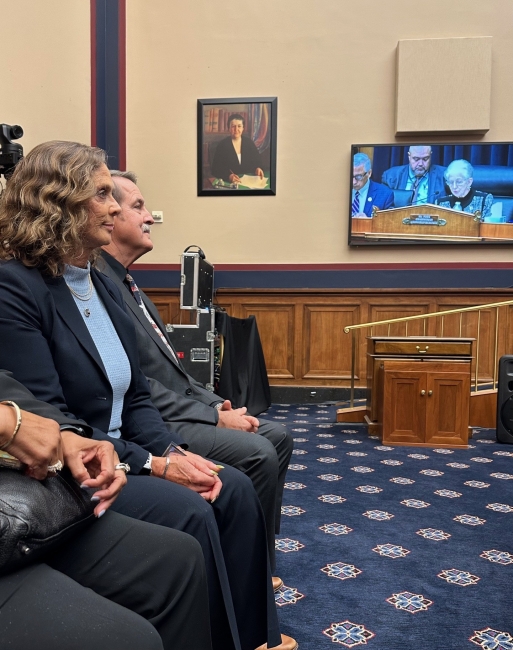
<point x="259" y="117"/>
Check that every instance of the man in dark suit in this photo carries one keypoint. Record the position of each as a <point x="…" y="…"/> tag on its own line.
<point x="367" y="194"/>
<point x="426" y="181"/>
<point x="208" y="424"/>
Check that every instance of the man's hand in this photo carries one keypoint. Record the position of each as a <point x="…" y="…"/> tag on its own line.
<point x="259" y="172"/>
<point x="37" y="443"/>
<point x="236" y="418"/>
<point x="92" y="464"/>
<point x="192" y="471"/>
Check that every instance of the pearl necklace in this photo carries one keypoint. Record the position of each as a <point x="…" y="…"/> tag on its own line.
<point x="84" y="296"/>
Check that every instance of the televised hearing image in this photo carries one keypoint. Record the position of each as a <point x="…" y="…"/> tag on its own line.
<point x="431" y="194"/>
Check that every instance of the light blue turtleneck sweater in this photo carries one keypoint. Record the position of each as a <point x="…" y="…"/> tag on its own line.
<point x="105" y="338"/>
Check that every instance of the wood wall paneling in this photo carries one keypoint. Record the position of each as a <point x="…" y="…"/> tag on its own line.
<point x="326" y="353"/>
<point x="276" y="326"/>
<point x="399" y="308"/>
<point x="302" y="329"/>
<point x="168" y="308"/>
<point x="480" y="326"/>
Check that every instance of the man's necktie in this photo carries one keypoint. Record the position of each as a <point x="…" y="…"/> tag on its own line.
<point x="355" y="207"/>
<point x="137" y="295"/>
<point x="415" y="190"/>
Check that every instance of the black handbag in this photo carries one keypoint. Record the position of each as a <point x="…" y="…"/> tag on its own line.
<point x="37" y="516"/>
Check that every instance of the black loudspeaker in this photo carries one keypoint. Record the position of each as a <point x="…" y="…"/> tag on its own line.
<point x="505" y="400"/>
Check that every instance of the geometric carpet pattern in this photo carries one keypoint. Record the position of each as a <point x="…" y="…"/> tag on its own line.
<point x="393" y="548"/>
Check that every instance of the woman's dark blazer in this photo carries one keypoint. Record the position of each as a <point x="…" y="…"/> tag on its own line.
<point x="227" y="162"/>
<point x="46" y="345"/>
<point x="10" y="389"/>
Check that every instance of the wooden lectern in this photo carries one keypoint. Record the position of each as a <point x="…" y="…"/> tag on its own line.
<point x="425" y="221"/>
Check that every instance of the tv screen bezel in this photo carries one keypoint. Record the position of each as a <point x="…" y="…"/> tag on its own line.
<point x="364" y="243"/>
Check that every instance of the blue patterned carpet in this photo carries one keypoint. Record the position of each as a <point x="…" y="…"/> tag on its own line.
<point x="394" y="548"/>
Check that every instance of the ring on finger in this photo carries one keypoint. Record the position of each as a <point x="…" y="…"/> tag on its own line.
<point x="123" y="466"/>
<point x="55" y="467"/>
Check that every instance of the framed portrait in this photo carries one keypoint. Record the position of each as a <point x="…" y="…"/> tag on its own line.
<point x="237" y="146"/>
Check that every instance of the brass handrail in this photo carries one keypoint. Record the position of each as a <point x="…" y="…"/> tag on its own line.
<point x="424" y="317"/>
<point x="420" y="316"/>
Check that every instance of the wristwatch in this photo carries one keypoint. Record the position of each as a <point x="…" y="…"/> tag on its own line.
<point x="146" y="468"/>
<point x="75" y="429"/>
<point x="218" y="406"/>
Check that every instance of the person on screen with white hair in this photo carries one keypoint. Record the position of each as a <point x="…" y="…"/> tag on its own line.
<point x="459" y="176"/>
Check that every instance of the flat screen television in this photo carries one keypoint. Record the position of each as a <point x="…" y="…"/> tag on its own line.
<point x="431" y="194"/>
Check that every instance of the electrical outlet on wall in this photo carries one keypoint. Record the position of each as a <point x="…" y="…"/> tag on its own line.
<point x="158" y="216"/>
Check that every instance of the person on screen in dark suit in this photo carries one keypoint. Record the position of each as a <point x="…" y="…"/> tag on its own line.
<point x="236" y="155"/>
<point x="459" y="177"/>
<point x="367" y="194"/>
<point x="207" y="422"/>
<point x="426" y="181"/>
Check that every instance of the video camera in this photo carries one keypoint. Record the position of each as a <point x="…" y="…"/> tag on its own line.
<point x="10" y="153"/>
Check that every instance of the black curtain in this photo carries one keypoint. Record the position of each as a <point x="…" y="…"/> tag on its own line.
<point x="243" y="378"/>
<point x="477" y="154"/>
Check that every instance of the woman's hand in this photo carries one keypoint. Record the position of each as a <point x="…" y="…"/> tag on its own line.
<point x="191" y="471"/>
<point x="37" y="443"/>
<point x="92" y="464"/>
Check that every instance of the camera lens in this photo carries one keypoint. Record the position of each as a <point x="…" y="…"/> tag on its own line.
<point x="16" y="132"/>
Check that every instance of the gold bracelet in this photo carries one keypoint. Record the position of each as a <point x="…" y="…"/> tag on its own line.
<point x="18" y="422"/>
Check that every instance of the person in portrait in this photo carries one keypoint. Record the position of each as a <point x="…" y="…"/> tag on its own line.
<point x="426" y="181"/>
<point x="459" y="177"/>
<point x="237" y="154"/>
<point x="366" y="193"/>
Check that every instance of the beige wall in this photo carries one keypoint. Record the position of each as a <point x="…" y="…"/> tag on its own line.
<point x="331" y="67"/>
<point x="45" y="69"/>
<point x="331" y="64"/>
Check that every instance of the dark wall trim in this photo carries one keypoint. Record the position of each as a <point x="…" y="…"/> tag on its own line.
<point x="448" y="276"/>
<point x="108" y="79"/>
<point x="336" y="267"/>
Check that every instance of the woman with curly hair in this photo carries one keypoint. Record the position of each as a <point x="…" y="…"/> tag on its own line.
<point x="66" y="337"/>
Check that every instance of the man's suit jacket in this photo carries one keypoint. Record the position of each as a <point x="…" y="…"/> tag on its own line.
<point x="379" y="196"/>
<point x="173" y="391"/>
<point x="10" y="389"/>
<point x="48" y="348"/>
<point x="397" y="177"/>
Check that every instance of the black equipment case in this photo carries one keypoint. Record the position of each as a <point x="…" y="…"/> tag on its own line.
<point x="196" y="281"/>
<point x="197" y="344"/>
